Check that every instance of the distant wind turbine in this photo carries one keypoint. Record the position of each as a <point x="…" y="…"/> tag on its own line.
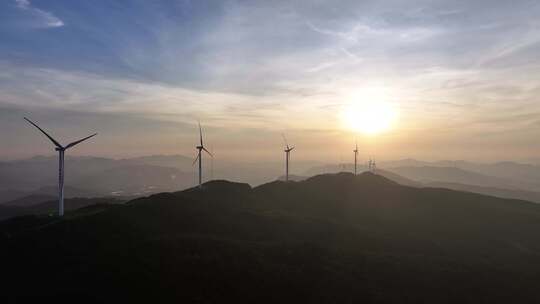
<point x="200" y="148"/>
<point x="61" y="150"/>
<point x="287" y="157"/>
<point x="355" y="158"/>
<point x="212" y="163"/>
<point x="372" y="165"/>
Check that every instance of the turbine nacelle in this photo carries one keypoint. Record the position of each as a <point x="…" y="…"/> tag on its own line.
<point x="287" y="151"/>
<point x="202" y="148"/>
<point x="287" y="148"/>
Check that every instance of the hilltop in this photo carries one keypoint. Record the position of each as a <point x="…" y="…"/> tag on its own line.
<point x="334" y="238"/>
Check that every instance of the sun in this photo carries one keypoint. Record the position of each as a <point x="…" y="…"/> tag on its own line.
<point x="369" y="114"/>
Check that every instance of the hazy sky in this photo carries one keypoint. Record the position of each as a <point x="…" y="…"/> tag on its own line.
<point x="462" y="76"/>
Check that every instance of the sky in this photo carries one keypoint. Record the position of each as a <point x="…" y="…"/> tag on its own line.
<point x="462" y="78"/>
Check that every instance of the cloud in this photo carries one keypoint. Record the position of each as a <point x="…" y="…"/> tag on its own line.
<point x="42" y="19"/>
<point x="41" y="88"/>
<point x="256" y="64"/>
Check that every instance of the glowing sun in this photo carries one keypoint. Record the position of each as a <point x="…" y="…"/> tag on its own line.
<point x="369" y="115"/>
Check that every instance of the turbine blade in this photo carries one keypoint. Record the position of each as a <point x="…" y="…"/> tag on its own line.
<point x="79" y="141"/>
<point x="285" y="140"/>
<point x="207" y="151"/>
<point x="48" y="136"/>
<point x="196" y="159"/>
<point x="200" y="133"/>
<point x="291" y="149"/>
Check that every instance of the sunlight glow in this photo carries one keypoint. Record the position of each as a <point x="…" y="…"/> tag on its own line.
<point x="368" y="112"/>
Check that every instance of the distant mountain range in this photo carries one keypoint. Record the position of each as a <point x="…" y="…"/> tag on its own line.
<point x="492" y="191"/>
<point x="134" y="176"/>
<point x="334" y="238"/>
<point x="103" y="177"/>
<point x="524" y="176"/>
<point x="93" y="176"/>
<point x="531" y="196"/>
<point x="507" y="179"/>
<point x="426" y="174"/>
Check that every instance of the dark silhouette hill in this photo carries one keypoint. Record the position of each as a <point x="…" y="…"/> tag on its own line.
<point x="531" y="196"/>
<point x="46" y="205"/>
<point x="30" y="200"/>
<point x="397" y="178"/>
<point x="328" y="239"/>
<point x="9" y="195"/>
<point x="14" y="197"/>
<point x="293" y="177"/>
<point x="7" y="212"/>
<point x="334" y="168"/>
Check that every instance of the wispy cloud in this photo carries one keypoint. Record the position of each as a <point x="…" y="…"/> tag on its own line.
<point x="256" y="64"/>
<point x="43" y="19"/>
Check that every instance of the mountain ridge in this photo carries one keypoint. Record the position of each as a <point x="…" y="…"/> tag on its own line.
<point x="335" y="238"/>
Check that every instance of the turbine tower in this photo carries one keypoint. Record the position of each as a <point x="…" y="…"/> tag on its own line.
<point x="355" y="158"/>
<point x="200" y="148"/>
<point x="61" y="150"/>
<point x="287" y="157"/>
<point x="212" y="163"/>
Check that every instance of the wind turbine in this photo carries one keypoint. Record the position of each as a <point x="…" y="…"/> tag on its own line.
<point x="372" y="165"/>
<point x="61" y="150"/>
<point x="287" y="157"/>
<point x="355" y="157"/>
<point x="212" y="163"/>
<point x="200" y="148"/>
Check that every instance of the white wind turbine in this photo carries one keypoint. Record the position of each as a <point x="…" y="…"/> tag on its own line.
<point x="61" y="150"/>
<point x="212" y="163"/>
<point x="200" y="148"/>
<point x="287" y="157"/>
<point x="355" y="158"/>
